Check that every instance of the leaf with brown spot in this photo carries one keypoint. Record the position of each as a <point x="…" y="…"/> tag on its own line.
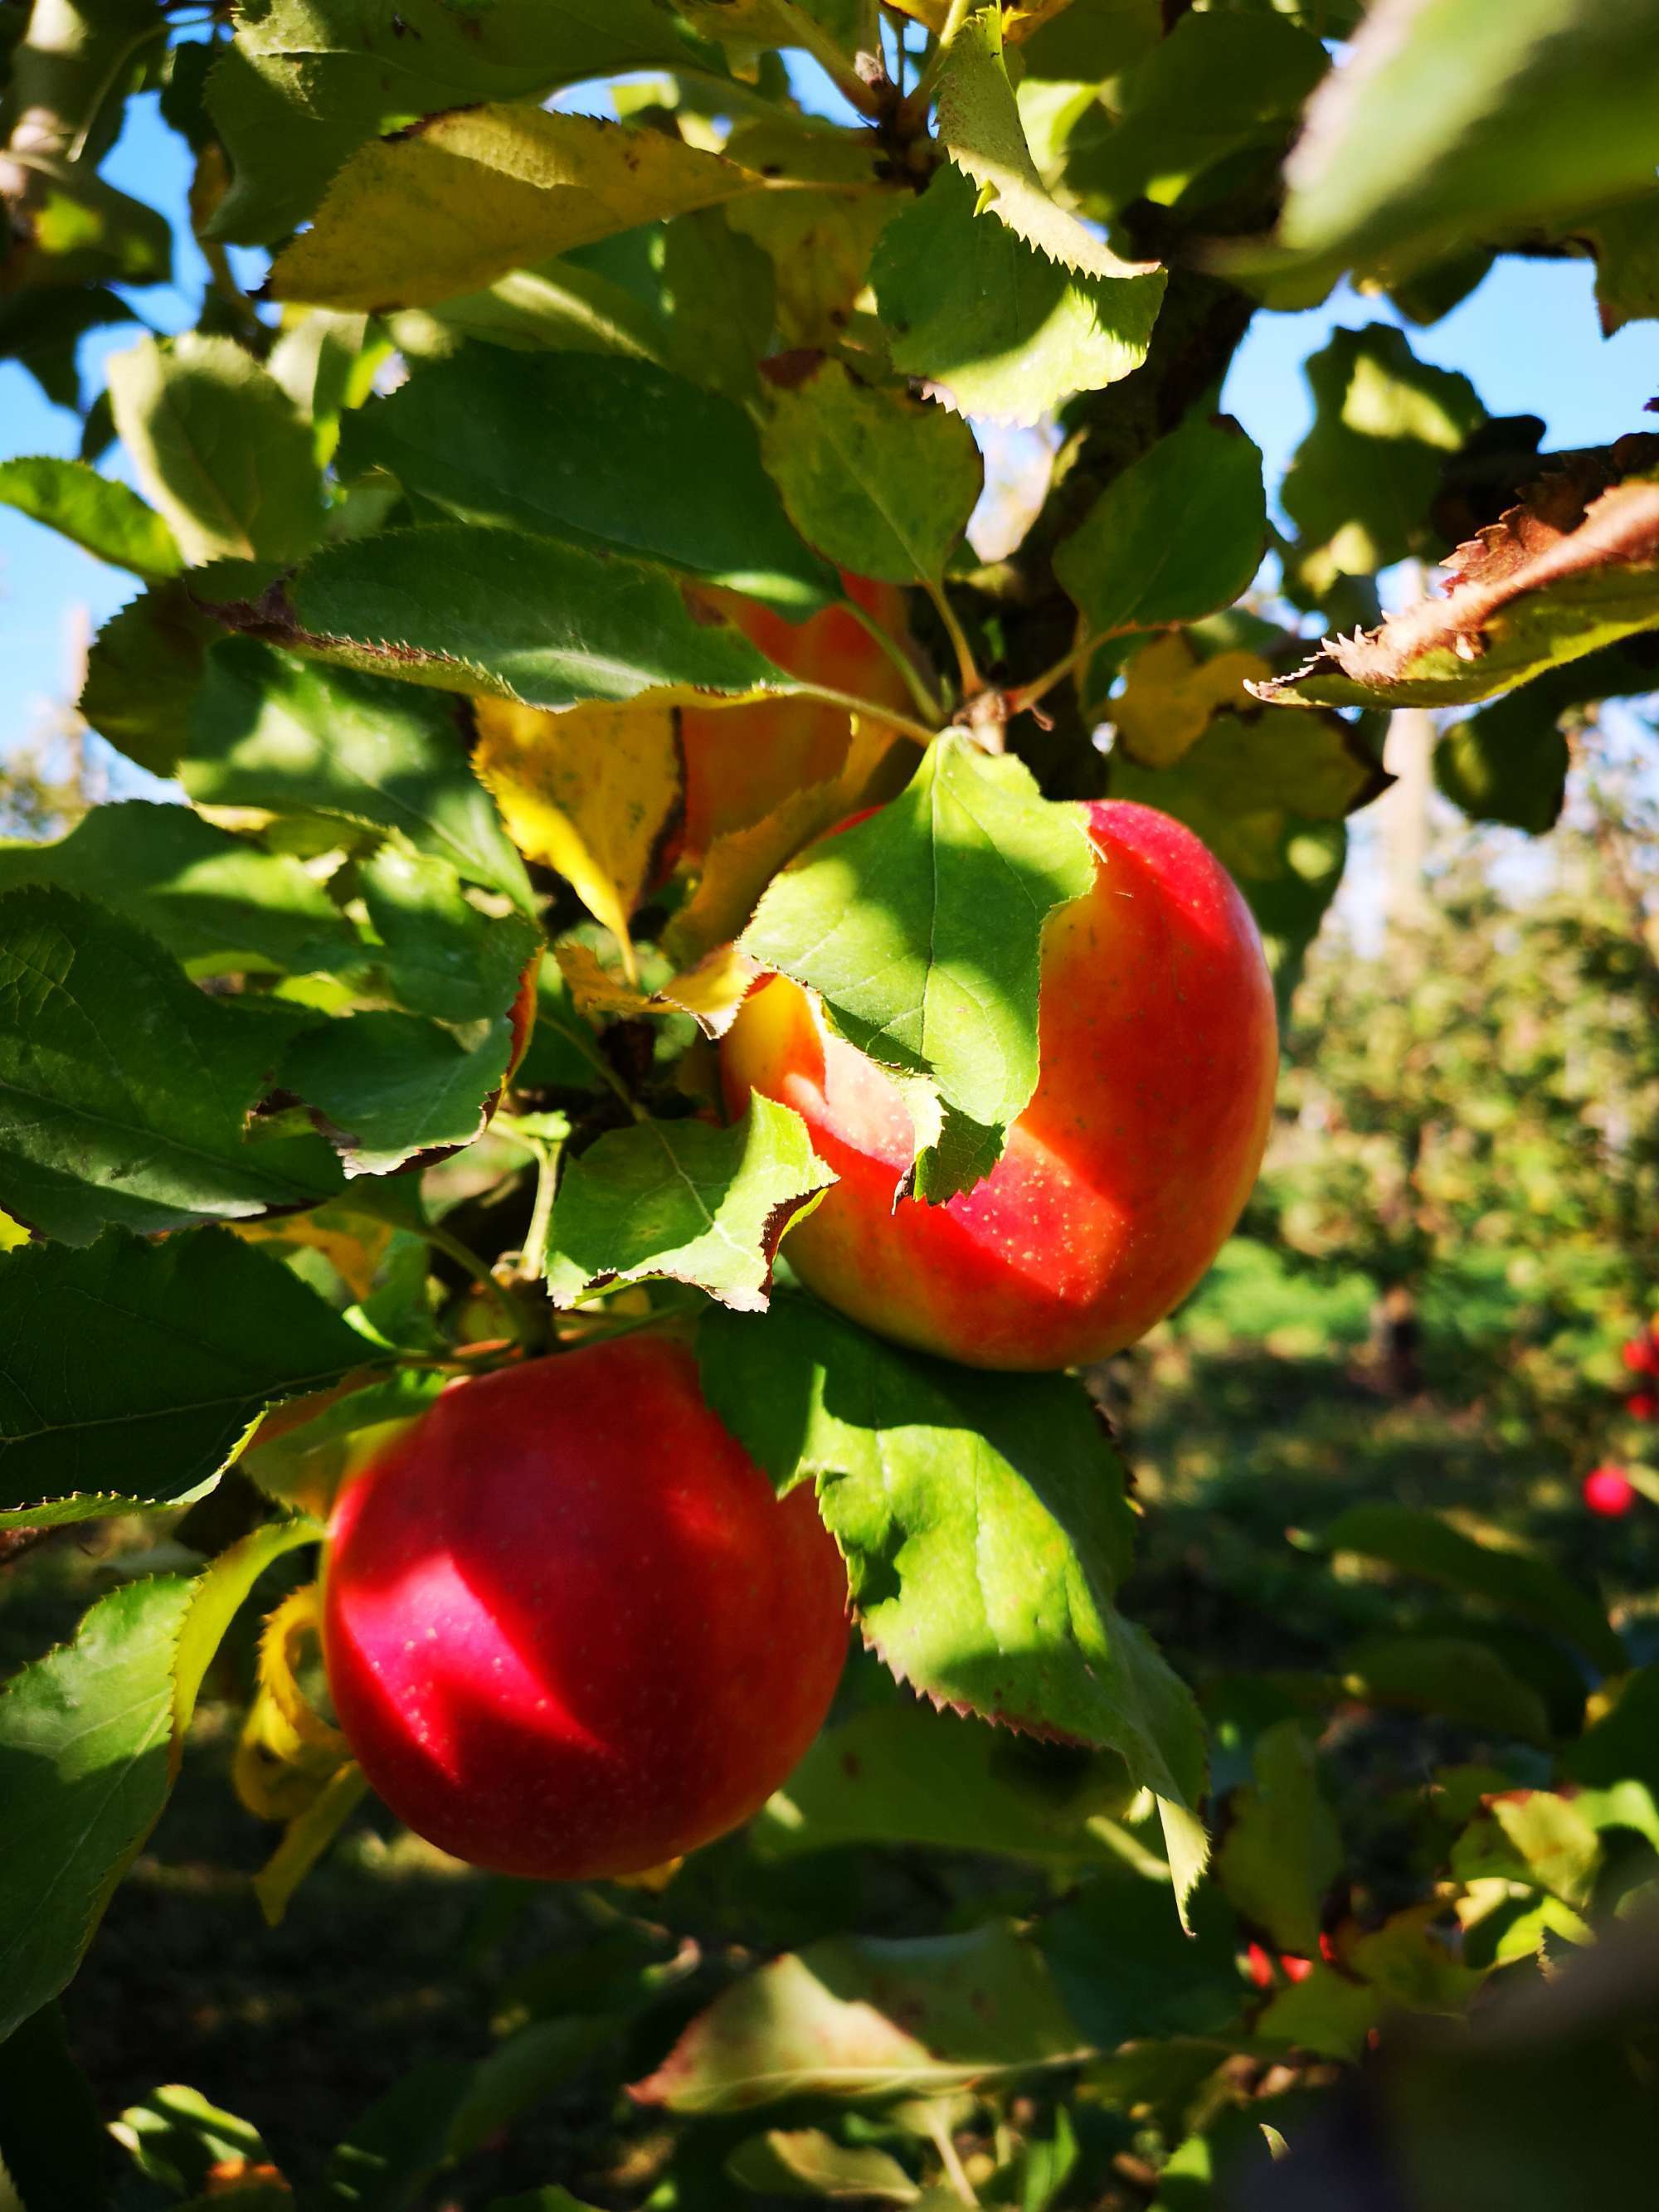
<point x="1574" y="567"/>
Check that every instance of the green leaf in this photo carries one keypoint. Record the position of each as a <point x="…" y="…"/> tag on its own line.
<point x="1282" y="1849"/>
<point x="603" y="452"/>
<point x="1533" y="1836"/>
<point x="979" y="122"/>
<point x="179" y="1347"/>
<point x="1417" y="1543"/>
<point x="984" y="1525"/>
<point x="1219" y="84"/>
<point x="218" y="447"/>
<point x="473" y="194"/>
<point x="1325" y="2013"/>
<point x="807" y="2162"/>
<point x="1248" y="785"/>
<point x="271" y="731"/>
<point x="142" y="675"/>
<point x="306" y="82"/>
<point x="176" y="2139"/>
<point x="1509" y="762"/>
<point x="882" y="483"/>
<point x="218" y="903"/>
<point x="392" y="1086"/>
<point x="677" y="1200"/>
<point x="1447" y="124"/>
<point x="105" y="517"/>
<point x="1174" y="536"/>
<point x="1363" y="480"/>
<point x="1625" y="242"/>
<point x="501" y="615"/>
<point x="51" y="2142"/>
<point x="903" y="1774"/>
<point x="1126" y="1968"/>
<point x="86" y="1737"/>
<point x="124" y="1089"/>
<point x="1449" y="1675"/>
<point x="996" y="328"/>
<point x="825" y="2021"/>
<point x="921" y="928"/>
<point x="443" y="956"/>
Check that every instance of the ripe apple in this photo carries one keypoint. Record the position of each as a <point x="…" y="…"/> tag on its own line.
<point x="1125" y="1174"/>
<point x="569" y="1629"/>
<point x="1609" y="1490"/>
<point x="742" y="762"/>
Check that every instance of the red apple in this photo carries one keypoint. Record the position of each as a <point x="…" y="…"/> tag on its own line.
<point x="1609" y="1490"/>
<point x="1125" y="1174"/>
<point x="1643" y="1407"/>
<point x="569" y="1629"/>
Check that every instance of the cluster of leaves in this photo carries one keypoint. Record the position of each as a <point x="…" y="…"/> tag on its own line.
<point x="581" y="533"/>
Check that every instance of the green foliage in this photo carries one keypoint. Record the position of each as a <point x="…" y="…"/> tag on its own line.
<point x="723" y="341"/>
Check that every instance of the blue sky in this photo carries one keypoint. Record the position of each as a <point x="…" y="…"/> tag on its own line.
<point x="1528" y="338"/>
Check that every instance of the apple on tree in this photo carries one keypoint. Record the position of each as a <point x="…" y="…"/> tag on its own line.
<point x="569" y="1629"/>
<point x="1609" y="1491"/>
<point x="1124" y="1174"/>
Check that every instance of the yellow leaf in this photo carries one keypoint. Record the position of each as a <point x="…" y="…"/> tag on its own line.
<point x="710" y="992"/>
<point x="1170" y="695"/>
<point x="452" y="205"/>
<point x="354" y="1243"/>
<point x="741" y="862"/>
<point x="12" y="1233"/>
<point x="590" y="792"/>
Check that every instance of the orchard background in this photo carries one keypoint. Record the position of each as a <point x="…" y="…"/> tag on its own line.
<point x="1244" y="1790"/>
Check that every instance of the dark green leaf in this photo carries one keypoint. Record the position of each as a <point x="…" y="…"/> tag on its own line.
<point x="52" y="2144"/>
<point x="882" y="483"/>
<point x="392" y="1085"/>
<point x="500" y="614"/>
<point x="984" y="1525"/>
<point x="904" y="1774"/>
<point x="142" y="675"/>
<point x="1509" y="762"/>
<point x="179" y="1347"/>
<point x="681" y="1200"/>
<point x="922" y="927"/>
<point x="271" y="731"/>
<point x="124" y="1089"/>
<point x="220" y="447"/>
<point x="1175" y="535"/>
<point x="1418" y="1543"/>
<point x="443" y="956"/>
<point x="218" y="903"/>
<point x="177" y="2139"/>
<point x="1363" y="482"/>
<point x="1000" y="329"/>
<point x="1452" y="1675"/>
<point x="602" y="451"/>
<point x="826" y="2021"/>
<point x="807" y="2162"/>
<point x="105" y="517"/>
<point x="1126" y="1969"/>
<point x="1282" y="1849"/>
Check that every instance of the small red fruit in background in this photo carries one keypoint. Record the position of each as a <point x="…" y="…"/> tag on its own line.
<point x="1609" y="1490"/>
<point x="569" y="1629"/>
<point x="1641" y="1354"/>
<point x="1295" y="1970"/>
<point x="1259" y="1966"/>
<point x="1643" y="1406"/>
<point x="1125" y="1174"/>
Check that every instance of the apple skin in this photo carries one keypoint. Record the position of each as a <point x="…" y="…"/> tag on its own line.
<point x="1125" y="1174"/>
<point x="1609" y="1491"/>
<point x="569" y="1629"/>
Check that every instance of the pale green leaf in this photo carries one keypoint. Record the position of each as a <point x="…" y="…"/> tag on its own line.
<point x="218" y="447"/>
<point x="807" y="2162"/>
<point x="993" y="327"/>
<point x="984" y="1524"/>
<point x="106" y="518"/>
<point x="450" y="206"/>
<point x="921" y="928"/>
<point x="882" y="483"/>
<point x="682" y="1201"/>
